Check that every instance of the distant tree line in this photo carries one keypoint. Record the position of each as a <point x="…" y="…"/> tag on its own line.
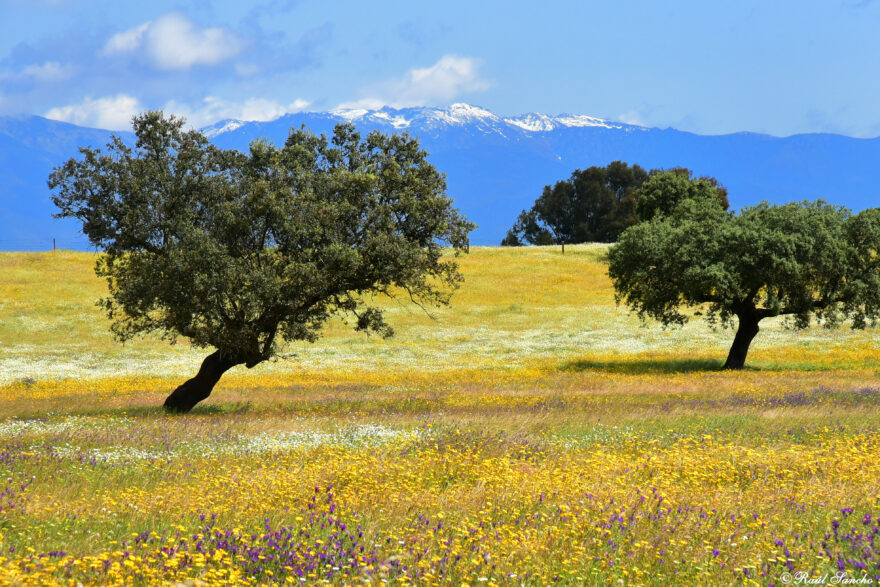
<point x="598" y="203"/>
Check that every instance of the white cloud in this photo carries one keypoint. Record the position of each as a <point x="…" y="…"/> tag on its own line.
<point x="440" y="83"/>
<point x="112" y="112"/>
<point x="213" y="109"/>
<point x="171" y="42"/>
<point x="48" y="71"/>
<point x="115" y="112"/>
<point x="126" y="41"/>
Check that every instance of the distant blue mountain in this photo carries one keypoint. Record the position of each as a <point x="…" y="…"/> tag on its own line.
<point x="495" y="166"/>
<point x="30" y="147"/>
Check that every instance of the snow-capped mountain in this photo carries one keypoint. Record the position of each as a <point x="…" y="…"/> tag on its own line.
<point x="495" y="165"/>
<point x="542" y="123"/>
<point x="438" y="118"/>
<point x="218" y="128"/>
<point x="457" y="114"/>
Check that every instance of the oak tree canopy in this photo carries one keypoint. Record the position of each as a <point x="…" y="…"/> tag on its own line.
<point x="242" y="252"/>
<point x="807" y="261"/>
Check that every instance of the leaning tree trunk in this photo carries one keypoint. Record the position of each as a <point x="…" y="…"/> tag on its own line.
<point x="745" y="332"/>
<point x="199" y="387"/>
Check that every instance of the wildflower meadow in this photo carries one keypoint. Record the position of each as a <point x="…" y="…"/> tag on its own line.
<point x="531" y="433"/>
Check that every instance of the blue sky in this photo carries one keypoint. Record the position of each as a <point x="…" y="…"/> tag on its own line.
<point x="778" y="67"/>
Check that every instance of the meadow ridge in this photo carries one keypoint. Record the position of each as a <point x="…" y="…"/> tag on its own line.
<point x="530" y="433"/>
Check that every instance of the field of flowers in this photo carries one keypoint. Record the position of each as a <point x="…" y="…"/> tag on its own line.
<point x="532" y="433"/>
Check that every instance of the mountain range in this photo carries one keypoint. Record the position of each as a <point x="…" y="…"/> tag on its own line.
<point x="495" y="166"/>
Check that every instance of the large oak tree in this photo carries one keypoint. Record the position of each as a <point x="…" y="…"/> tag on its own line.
<point x="241" y="252"/>
<point x="808" y="261"/>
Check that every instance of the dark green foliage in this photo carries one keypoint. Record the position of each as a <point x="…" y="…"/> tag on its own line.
<point x="663" y="191"/>
<point x="242" y="251"/>
<point x="511" y="239"/>
<point x="594" y="205"/>
<point x="598" y="203"/>
<point x="527" y="228"/>
<point x="807" y="260"/>
<point x="862" y="294"/>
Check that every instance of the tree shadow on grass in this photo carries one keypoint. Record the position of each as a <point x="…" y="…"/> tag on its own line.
<point x="224" y="408"/>
<point x="643" y="366"/>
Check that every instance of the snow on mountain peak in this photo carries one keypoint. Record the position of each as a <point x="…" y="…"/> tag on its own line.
<point x="467" y="112"/>
<point x="462" y="114"/>
<point x="396" y="120"/>
<point x="584" y="120"/>
<point x="532" y="122"/>
<point x="221" y="127"/>
<point x="459" y="114"/>
<point x="542" y="123"/>
<point x="350" y="114"/>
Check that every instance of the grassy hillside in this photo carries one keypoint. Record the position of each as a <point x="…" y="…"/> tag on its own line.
<point x="522" y="315"/>
<point x="531" y="433"/>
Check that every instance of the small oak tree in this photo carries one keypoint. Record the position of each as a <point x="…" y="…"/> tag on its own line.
<point x="241" y="252"/>
<point x="806" y="260"/>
